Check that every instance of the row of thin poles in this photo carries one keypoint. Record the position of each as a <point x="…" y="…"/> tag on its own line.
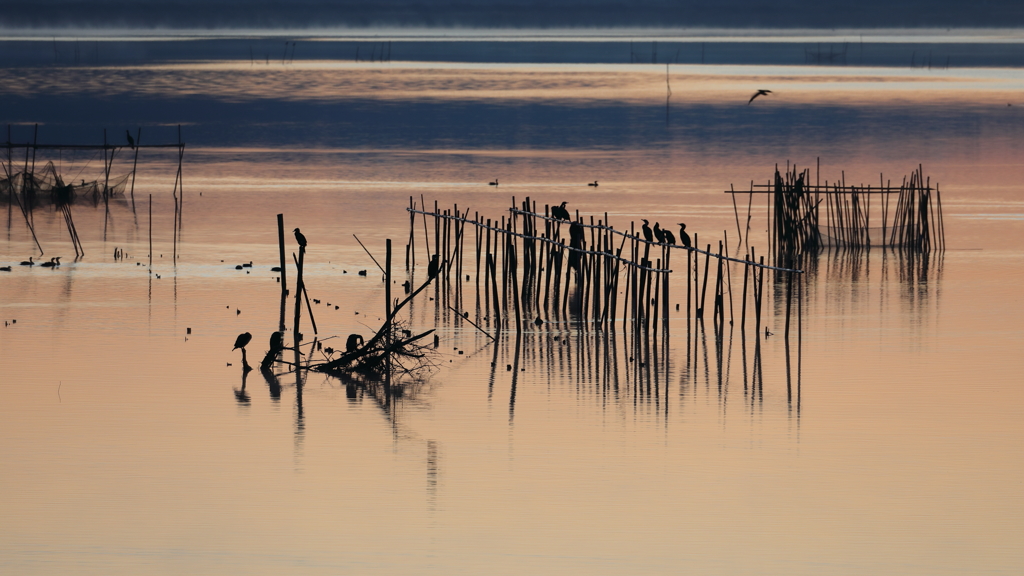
<point x="527" y="270"/>
<point x="798" y="212"/>
<point x="22" y="188"/>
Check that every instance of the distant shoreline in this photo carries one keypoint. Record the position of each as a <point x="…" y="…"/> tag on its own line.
<point x="930" y="49"/>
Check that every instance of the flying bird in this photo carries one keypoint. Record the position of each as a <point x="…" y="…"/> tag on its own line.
<point x="648" y="233"/>
<point x="758" y="93"/>
<point x="560" y="212"/>
<point x="131" y="141"/>
<point x="300" y="238"/>
<point x="684" y="238"/>
<point x="242" y="340"/>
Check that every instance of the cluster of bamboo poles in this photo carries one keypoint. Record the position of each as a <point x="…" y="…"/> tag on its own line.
<point x="23" y="187"/>
<point x="535" y="267"/>
<point x="798" y="225"/>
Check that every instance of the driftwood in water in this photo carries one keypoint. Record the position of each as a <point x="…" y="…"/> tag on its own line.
<point x="373" y="354"/>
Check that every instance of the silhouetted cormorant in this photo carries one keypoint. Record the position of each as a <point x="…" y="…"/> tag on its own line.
<point x="658" y="233"/>
<point x="684" y="238"/>
<point x="131" y="141"/>
<point x="276" y="342"/>
<point x="435" y="264"/>
<point x="242" y="340"/>
<point x="648" y="234"/>
<point x="670" y="238"/>
<point x="353" y="343"/>
<point x="758" y="93"/>
<point x="28" y="262"/>
<point x="300" y="238"/>
<point x="560" y="211"/>
<point x="51" y="264"/>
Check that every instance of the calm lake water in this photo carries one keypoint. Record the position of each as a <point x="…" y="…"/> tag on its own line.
<point x="889" y="442"/>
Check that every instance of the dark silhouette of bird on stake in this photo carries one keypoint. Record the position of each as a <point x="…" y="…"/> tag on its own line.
<point x="435" y="265"/>
<point x="670" y="238"/>
<point x="277" y="341"/>
<point x="242" y="340"/>
<point x="659" y="233"/>
<point x="684" y="238"/>
<point x="648" y="233"/>
<point x="300" y="238"/>
<point x="560" y="212"/>
<point x="131" y="141"/>
<point x="758" y="93"/>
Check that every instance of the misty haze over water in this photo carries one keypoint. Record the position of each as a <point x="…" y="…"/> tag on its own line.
<point x="210" y="14"/>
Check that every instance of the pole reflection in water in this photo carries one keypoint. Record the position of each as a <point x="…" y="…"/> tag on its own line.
<point x="240" y="394"/>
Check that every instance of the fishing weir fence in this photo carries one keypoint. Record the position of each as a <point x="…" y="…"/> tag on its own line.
<point x="29" y="187"/>
<point x="805" y="217"/>
<point x="530" y="266"/>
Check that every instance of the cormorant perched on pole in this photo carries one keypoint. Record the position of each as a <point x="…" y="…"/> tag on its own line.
<point x="131" y="141"/>
<point x="659" y="233"/>
<point x="242" y="340"/>
<point x="277" y="342"/>
<point x="758" y="93"/>
<point x="684" y="238"/>
<point x="561" y="212"/>
<point x="435" y="265"/>
<point x="670" y="238"/>
<point x="300" y="238"/>
<point x="648" y="234"/>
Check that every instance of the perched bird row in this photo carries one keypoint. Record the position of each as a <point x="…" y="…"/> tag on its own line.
<point x="663" y="235"/>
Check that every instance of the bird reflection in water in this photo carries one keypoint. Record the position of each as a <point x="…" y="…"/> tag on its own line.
<point x="240" y="394"/>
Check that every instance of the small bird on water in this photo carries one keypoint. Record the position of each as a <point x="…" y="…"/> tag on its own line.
<point x="495" y="183"/>
<point x="758" y="93"/>
<point x="300" y="238"/>
<point x="28" y="262"/>
<point x="594" y="184"/>
<point x="242" y="340"/>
